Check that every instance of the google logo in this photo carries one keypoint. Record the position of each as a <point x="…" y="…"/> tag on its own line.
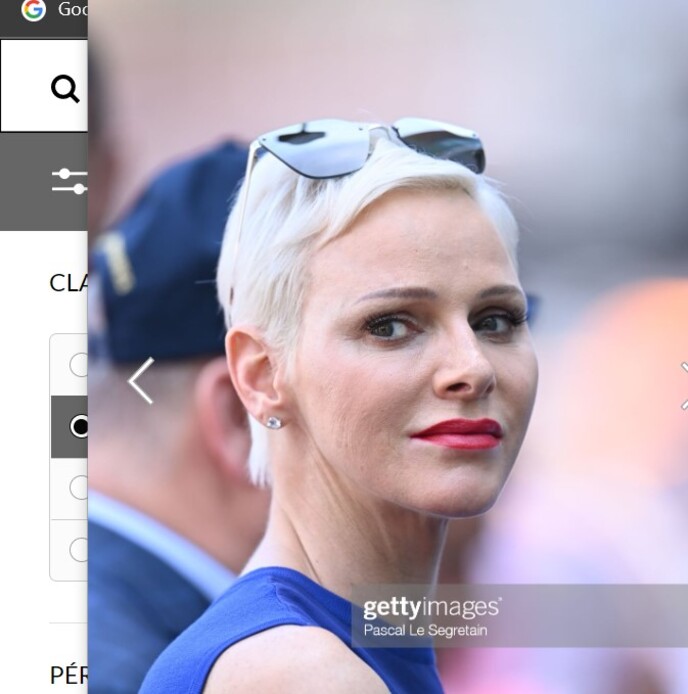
<point x="33" y="10"/>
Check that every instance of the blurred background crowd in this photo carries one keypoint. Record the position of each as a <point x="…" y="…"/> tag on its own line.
<point x="583" y="109"/>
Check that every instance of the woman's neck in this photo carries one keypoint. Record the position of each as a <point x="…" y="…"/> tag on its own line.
<point x="340" y="537"/>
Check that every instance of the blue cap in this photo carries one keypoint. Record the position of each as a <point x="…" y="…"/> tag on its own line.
<point x="154" y="275"/>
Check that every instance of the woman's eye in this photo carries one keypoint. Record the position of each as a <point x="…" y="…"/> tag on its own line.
<point x="389" y="328"/>
<point x="498" y="324"/>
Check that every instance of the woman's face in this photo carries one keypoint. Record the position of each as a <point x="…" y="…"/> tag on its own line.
<point x="414" y="374"/>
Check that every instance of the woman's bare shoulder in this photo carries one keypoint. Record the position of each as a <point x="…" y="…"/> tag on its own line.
<point x="292" y="659"/>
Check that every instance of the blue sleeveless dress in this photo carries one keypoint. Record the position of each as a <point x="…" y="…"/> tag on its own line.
<point x="271" y="597"/>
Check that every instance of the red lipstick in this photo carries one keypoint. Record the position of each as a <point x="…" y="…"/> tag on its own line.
<point x="466" y="434"/>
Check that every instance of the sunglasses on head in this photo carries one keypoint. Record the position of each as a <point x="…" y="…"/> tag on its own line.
<point x="329" y="148"/>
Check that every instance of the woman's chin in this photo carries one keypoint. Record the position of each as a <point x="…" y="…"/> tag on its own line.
<point x="464" y="508"/>
<point x="470" y="497"/>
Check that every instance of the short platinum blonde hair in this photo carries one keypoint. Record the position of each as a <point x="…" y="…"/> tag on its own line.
<point x="288" y="217"/>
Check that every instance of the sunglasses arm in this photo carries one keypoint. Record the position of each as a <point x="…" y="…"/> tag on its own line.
<point x="242" y="203"/>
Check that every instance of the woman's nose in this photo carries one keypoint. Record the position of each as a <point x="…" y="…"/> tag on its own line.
<point x="465" y="370"/>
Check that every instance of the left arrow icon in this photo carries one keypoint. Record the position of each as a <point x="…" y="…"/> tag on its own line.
<point x="135" y="375"/>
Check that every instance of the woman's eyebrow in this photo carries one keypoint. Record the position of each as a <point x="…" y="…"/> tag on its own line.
<point x="400" y="293"/>
<point x="501" y="290"/>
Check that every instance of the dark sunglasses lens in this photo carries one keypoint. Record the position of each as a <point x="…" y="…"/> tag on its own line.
<point x="320" y="148"/>
<point x="443" y="141"/>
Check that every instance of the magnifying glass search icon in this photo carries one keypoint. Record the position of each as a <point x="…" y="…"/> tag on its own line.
<point x="62" y="94"/>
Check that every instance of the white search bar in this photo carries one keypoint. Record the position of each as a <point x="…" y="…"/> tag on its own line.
<point x="43" y="86"/>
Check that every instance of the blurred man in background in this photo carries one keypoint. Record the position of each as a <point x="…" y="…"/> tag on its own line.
<point x="172" y="515"/>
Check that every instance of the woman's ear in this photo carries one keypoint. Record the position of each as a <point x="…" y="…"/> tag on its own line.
<point x="253" y="369"/>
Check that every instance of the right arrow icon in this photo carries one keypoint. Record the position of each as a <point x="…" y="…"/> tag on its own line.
<point x="137" y="387"/>
<point x="685" y="368"/>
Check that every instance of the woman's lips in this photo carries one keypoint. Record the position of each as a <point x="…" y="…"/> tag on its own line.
<point x="466" y="434"/>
